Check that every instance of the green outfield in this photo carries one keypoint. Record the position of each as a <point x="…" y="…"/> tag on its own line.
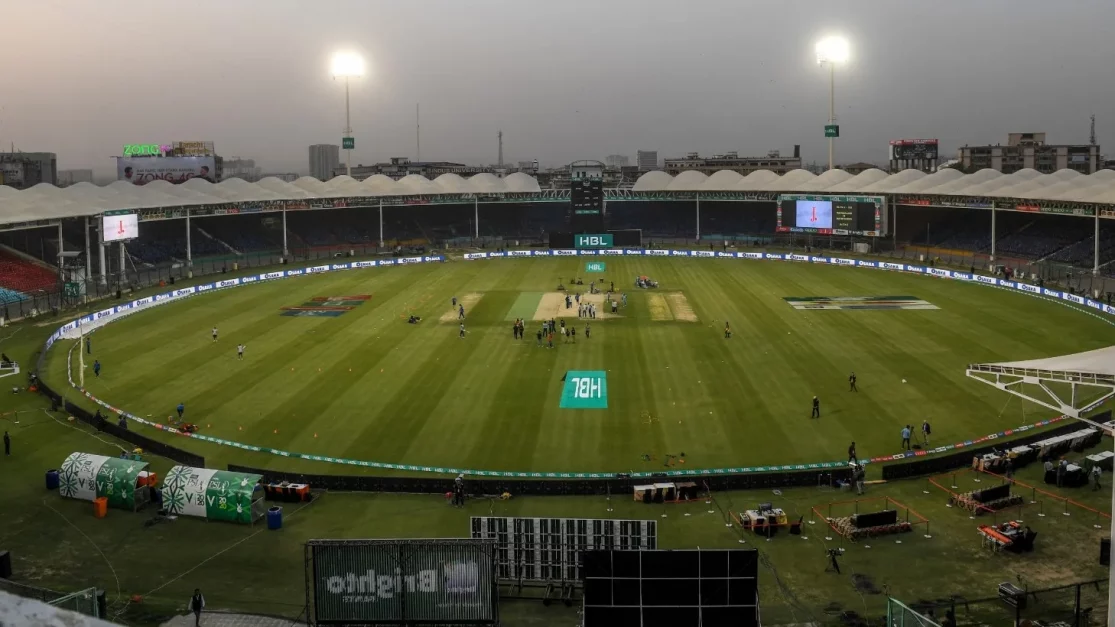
<point x="352" y="379"/>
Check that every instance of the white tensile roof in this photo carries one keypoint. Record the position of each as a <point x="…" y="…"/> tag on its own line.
<point x="44" y="202"/>
<point x="1100" y="361"/>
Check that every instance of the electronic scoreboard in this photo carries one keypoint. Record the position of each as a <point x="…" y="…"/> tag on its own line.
<point x="831" y="215"/>
<point x="586" y="205"/>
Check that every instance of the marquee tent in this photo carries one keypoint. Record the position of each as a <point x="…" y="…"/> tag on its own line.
<point x="213" y="494"/>
<point x="87" y="477"/>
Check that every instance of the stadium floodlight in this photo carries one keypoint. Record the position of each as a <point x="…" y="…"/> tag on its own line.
<point x="832" y="50"/>
<point x="347" y="65"/>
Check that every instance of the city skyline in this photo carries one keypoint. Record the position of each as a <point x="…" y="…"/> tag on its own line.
<point x="584" y="88"/>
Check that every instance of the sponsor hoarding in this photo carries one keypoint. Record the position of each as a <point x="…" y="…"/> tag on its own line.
<point x="403" y="582"/>
<point x="143" y="170"/>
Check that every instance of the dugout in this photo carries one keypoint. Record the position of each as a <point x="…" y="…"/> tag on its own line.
<point x="234" y="497"/>
<point x="122" y="482"/>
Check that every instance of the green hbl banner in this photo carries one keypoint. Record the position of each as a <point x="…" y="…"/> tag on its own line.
<point x="603" y="240"/>
<point x="585" y="389"/>
<point x="594" y="266"/>
<point x="116" y="481"/>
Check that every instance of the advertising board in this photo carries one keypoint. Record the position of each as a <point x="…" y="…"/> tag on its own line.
<point x="402" y="582"/>
<point x="174" y="170"/>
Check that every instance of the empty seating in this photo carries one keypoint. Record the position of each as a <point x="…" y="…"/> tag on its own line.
<point x="20" y="277"/>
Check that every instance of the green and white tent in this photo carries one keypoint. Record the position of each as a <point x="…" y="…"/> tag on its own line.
<point x="86" y="477"/>
<point x="213" y="494"/>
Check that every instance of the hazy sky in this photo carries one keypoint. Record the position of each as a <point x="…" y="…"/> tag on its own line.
<point x="565" y="80"/>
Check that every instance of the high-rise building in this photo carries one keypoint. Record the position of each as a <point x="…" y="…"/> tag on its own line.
<point x="1029" y="150"/>
<point x="324" y="158"/>
<point x="647" y="160"/>
<point x="237" y="168"/>
<point x="72" y="177"/>
<point x="27" y="169"/>
<point x="619" y="161"/>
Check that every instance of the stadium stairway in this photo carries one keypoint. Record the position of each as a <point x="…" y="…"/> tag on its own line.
<point x="219" y="241"/>
<point x="20" y="276"/>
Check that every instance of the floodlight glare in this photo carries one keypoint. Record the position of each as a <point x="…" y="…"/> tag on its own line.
<point x="832" y="50"/>
<point x="347" y="64"/>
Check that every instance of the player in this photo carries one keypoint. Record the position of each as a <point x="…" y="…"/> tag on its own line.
<point x="454" y="301"/>
<point x="906" y="437"/>
<point x="462" y="333"/>
<point x="96" y="368"/>
<point x="623" y="296"/>
<point x="240" y="352"/>
<point x="727" y="330"/>
<point x="573" y="334"/>
<point x="214" y="334"/>
<point x="925" y="431"/>
<point x="588" y="330"/>
<point x="461" y="312"/>
<point x="181" y="410"/>
<point x="539" y="336"/>
<point x="816" y="408"/>
<point x="852" y="383"/>
<point x="852" y="454"/>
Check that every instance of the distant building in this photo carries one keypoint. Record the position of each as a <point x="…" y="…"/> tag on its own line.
<point x="1029" y="150"/>
<point x="27" y="169"/>
<point x="857" y="168"/>
<point x="237" y="168"/>
<point x="620" y="161"/>
<point x="774" y="162"/>
<point x="399" y="167"/>
<point x="324" y="159"/>
<point x="72" y="177"/>
<point x="288" y="177"/>
<point x="647" y="160"/>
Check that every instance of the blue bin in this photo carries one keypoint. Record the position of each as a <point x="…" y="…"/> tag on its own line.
<point x="275" y="518"/>
<point x="52" y="480"/>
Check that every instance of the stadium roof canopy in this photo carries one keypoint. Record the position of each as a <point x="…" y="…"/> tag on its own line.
<point x="45" y="202"/>
<point x="1047" y="381"/>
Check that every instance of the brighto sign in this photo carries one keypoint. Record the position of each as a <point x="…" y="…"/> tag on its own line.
<point x="459" y="578"/>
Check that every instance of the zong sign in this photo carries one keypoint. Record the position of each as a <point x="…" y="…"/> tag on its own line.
<point x="145" y="150"/>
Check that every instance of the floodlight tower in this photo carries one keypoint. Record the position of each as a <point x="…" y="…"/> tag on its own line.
<point x="347" y="65"/>
<point x="832" y="50"/>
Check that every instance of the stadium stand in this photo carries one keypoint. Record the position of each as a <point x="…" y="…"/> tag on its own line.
<point x="19" y="277"/>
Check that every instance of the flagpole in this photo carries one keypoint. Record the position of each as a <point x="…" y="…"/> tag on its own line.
<point x="80" y="354"/>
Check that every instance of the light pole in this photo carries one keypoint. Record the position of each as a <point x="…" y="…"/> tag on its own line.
<point x="347" y="65"/>
<point x="832" y="50"/>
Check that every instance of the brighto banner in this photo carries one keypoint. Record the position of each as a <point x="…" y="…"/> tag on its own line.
<point x="143" y="170"/>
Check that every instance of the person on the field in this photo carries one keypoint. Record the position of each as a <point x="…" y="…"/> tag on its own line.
<point x="240" y="351"/>
<point x="454" y="301"/>
<point x="214" y="334"/>
<point x="727" y="330"/>
<point x="906" y="437"/>
<point x="88" y="345"/>
<point x="852" y="383"/>
<point x="539" y="336"/>
<point x="550" y="340"/>
<point x="462" y="333"/>
<point x="925" y="430"/>
<point x="816" y="408"/>
<point x="852" y="453"/>
<point x="461" y="312"/>
<point x="96" y="368"/>
<point x="623" y="296"/>
<point x="588" y="330"/>
<point x="181" y="410"/>
<point x="573" y="334"/>
<point x="515" y="330"/>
